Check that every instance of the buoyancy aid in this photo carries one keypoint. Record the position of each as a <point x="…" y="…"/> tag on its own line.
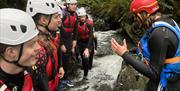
<point x="50" y="61"/>
<point x="27" y="86"/>
<point x="52" y="67"/>
<point x="83" y="30"/>
<point x="171" y="66"/>
<point x="56" y="40"/>
<point x="69" y="21"/>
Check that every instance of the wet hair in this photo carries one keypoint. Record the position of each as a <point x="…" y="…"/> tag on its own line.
<point x="148" y="20"/>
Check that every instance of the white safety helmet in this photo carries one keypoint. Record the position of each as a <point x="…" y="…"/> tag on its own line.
<point x="42" y="6"/>
<point x="59" y="2"/>
<point x="16" y="27"/>
<point x="81" y="11"/>
<point x="71" y="1"/>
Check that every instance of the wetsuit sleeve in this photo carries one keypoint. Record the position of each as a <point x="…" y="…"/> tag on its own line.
<point x="89" y="45"/>
<point x="75" y="30"/>
<point x="94" y="37"/>
<point x="95" y="42"/>
<point x="158" y="46"/>
<point x="59" y="48"/>
<point x="61" y="42"/>
<point x="60" y="64"/>
<point x="61" y="38"/>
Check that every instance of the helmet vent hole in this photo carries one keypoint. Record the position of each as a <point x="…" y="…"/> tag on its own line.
<point x="31" y="9"/>
<point x="23" y="28"/>
<point x="52" y="5"/>
<point x="47" y="4"/>
<point x="30" y="3"/>
<point x="13" y="28"/>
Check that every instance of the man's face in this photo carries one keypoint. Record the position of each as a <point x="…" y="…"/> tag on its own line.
<point x="72" y="7"/>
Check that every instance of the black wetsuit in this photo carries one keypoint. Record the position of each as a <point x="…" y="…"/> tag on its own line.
<point x="83" y="44"/>
<point x="162" y="45"/>
<point x="92" y="52"/>
<point x="66" y="39"/>
<point x="12" y="80"/>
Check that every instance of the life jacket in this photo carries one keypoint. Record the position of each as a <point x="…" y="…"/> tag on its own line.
<point x="50" y="61"/>
<point x="52" y="67"/>
<point x="27" y="86"/>
<point x="83" y="30"/>
<point x="171" y="66"/>
<point x="56" y="40"/>
<point x="69" y="21"/>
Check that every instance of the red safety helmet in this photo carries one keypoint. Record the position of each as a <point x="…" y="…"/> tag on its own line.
<point x="150" y="6"/>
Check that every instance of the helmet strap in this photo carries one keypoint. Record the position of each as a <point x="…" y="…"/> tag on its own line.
<point x="15" y="61"/>
<point x="48" y="23"/>
<point x="46" y="27"/>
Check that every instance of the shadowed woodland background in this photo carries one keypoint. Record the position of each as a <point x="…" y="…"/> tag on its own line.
<point x="112" y="14"/>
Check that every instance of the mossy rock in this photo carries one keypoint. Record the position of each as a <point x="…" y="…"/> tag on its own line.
<point x="129" y="79"/>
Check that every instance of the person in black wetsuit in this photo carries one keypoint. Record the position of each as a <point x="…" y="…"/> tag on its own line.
<point x="162" y="44"/>
<point x="85" y="39"/>
<point x="68" y="38"/>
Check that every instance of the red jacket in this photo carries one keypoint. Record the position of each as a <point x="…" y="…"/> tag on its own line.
<point x="84" y="30"/>
<point x="50" y="67"/>
<point x="69" y="21"/>
<point x="50" y="61"/>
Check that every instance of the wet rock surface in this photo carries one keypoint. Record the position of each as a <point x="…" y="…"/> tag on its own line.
<point x="109" y="72"/>
<point x="102" y="77"/>
<point x="104" y="38"/>
<point x="130" y="80"/>
<point x="112" y="74"/>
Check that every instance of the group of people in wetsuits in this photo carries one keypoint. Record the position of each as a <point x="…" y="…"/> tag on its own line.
<point x="36" y="46"/>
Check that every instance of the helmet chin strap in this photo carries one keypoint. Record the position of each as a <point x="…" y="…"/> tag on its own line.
<point x="46" y="27"/>
<point x="16" y="62"/>
<point x="48" y="24"/>
<point x="51" y="34"/>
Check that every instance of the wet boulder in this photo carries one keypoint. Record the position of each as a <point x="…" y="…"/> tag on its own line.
<point x="102" y="77"/>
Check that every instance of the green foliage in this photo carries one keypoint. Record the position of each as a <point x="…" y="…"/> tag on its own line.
<point x="116" y="14"/>
<point x="171" y="7"/>
<point x="107" y="9"/>
<point x="118" y="10"/>
<point x="3" y="3"/>
<point x="19" y="4"/>
<point x="110" y="14"/>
